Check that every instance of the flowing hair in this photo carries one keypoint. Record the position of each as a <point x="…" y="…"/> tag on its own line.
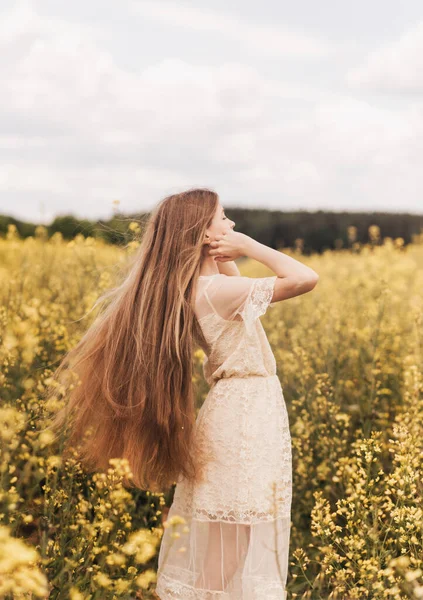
<point x="134" y="364"/>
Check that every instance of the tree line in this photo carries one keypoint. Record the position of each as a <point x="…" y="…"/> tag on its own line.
<point x="309" y="231"/>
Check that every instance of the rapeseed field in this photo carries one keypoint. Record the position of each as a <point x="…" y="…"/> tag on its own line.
<point x="349" y="357"/>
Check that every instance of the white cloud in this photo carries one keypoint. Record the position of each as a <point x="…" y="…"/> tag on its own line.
<point x="79" y="131"/>
<point x="268" y="40"/>
<point x="396" y="68"/>
<point x="37" y="178"/>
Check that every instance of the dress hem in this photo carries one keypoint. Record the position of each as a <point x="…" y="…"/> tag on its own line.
<point x="183" y="591"/>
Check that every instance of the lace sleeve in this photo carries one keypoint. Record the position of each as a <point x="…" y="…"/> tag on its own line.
<point x="239" y="297"/>
<point x="259" y="299"/>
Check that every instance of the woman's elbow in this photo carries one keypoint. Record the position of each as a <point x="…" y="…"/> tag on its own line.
<point x="311" y="281"/>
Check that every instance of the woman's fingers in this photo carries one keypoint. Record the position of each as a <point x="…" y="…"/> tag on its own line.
<point x="215" y="250"/>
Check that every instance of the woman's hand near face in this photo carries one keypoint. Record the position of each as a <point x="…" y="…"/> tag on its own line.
<point x="228" y="246"/>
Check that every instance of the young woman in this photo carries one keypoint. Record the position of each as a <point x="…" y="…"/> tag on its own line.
<point x="232" y="462"/>
<point x="233" y="541"/>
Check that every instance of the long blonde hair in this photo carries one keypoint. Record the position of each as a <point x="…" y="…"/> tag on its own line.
<point x="135" y="362"/>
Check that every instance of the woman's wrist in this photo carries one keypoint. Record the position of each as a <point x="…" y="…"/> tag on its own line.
<point x="249" y="246"/>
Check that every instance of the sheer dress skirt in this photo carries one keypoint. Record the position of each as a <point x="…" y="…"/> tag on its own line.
<point x="228" y="537"/>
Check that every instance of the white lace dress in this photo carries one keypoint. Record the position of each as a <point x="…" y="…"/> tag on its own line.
<point x="234" y="541"/>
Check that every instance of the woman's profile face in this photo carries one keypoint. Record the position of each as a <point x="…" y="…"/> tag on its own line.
<point x="221" y="223"/>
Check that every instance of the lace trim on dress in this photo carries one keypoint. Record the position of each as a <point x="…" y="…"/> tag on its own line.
<point x="246" y="517"/>
<point x="172" y="589"/>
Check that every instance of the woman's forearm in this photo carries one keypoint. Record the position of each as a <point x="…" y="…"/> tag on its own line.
<point x="281" y="264"/>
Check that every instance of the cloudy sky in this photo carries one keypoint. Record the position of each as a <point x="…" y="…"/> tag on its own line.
<point x="285" y="105"/>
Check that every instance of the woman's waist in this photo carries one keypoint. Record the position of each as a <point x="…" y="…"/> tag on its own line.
<point x="247" y="376"/>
